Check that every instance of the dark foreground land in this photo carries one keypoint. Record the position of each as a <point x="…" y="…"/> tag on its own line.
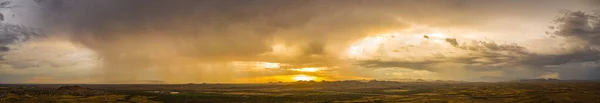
<point x="325" y="92"/>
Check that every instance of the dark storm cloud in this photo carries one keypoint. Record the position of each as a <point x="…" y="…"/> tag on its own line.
<point x="387" y="64"/>
<point x="6" y="4"/>
<point x="11" y="34"/>
<point x="482" y="55"/>
<point x="22" y="65"/>
<point x="580" y="28"/>
<point x="593" y="2"/>
<point x="4" y="49"/>
<point x="452" y="41"/>
<point x="209" y="29"/>
<point x="506" y="57"/>
<point x="490" y="53"/>
<point x="579" y="55"/>
<point x="583" y="32"/>
<point x="244" y="29"/>
<point x="54" y="5"/>
<point x="131" y="35"/>
<point x="202" y="29"/>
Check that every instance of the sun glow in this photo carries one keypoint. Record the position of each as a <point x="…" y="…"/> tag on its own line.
<point x="438" y="37"/>
<point x="355" y="50"/>
<point x="307" y="69"/>
<point x="381" y="44"/>
<point x="367" y="43"/>
<point x="303" y="77"/>
<point x="370" y="44"/>
<point x="269" y="65"/>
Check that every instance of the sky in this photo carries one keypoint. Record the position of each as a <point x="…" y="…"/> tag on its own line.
<point x="259" y="41"/>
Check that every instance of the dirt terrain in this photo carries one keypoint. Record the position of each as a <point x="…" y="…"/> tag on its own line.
<point x="322" y="92"/>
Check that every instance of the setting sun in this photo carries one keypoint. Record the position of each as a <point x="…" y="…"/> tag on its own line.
<point x="303" y="77"/>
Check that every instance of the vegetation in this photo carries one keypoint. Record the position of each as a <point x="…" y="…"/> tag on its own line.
<point x="316" y="92"/>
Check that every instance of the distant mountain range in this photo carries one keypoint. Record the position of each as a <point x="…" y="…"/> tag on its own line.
<point x="138" y="82"/>
<point x="552" y="80"/>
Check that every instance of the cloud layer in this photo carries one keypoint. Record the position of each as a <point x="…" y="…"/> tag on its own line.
<point x="221" y="41"/>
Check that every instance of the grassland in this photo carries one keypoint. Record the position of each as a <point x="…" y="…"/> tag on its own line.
<point x="313" y="92"/>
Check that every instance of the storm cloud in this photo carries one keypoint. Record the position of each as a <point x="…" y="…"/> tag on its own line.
<point x="197" y="40"/>
<point x="578" y="29"/>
